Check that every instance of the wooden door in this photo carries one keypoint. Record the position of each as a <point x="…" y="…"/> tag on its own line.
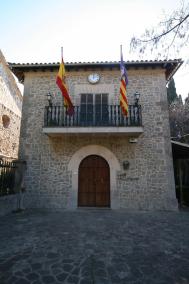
<point x="94" y="182"/>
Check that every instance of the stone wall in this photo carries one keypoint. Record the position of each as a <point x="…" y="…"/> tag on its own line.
<point x="9" y="136"/>
<point x="10" y="111"/>
<point x="147" y="184"/>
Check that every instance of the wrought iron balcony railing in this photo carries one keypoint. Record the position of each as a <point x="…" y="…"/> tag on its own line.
<point x="93" y="115"/>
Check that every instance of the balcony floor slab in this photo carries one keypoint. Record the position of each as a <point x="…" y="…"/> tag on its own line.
<point x="128" y="131"/>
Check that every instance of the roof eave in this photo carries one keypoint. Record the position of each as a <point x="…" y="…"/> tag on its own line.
<point x="170" y="66"/>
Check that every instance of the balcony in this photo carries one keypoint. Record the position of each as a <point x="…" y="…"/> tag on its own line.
<point x="93" y="119"/>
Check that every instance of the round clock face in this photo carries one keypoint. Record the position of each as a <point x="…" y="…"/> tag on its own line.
<point x="93" y="78"/>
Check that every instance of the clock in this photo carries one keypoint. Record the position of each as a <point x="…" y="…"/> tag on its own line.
<point x="93" y="78"/>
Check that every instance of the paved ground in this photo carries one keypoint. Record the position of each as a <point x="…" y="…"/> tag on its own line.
<point x="94" y="246"/>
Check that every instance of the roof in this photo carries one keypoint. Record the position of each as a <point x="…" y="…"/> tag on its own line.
<point x="170" y="66"/>
<point x="180" y="150"/>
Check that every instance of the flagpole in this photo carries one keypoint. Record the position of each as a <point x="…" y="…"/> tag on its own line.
<point x="62" y="53"/>
<point x="62" y="77"/>
<point x="121" y="53"/>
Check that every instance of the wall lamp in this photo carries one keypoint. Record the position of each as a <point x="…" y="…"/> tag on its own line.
<point x="49" y="98"/>
<point x="133" y="140"/>
<point x="126" y="165"/>
<point x="136" y="97"/>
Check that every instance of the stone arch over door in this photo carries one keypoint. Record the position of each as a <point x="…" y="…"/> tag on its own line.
<point x="73" y="166"/>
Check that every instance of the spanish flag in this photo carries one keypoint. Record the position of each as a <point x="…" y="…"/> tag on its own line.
<point x="60" y="81"/>
<point x="123" y="87"/>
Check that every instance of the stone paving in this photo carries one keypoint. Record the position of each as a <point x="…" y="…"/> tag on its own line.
<point x="94" y="246"/>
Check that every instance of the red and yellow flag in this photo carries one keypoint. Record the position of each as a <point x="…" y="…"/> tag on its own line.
<point x="60" y="81"/>
<point x="123" y="87"/>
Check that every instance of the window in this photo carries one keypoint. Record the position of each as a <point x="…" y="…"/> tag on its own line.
<point x="86" y="109"/>
<point x="94" y="109"/>
<point x="101" y="109"/>
<point x="6" y="121"/>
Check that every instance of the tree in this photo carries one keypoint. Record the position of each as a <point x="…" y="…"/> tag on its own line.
<point x="179" y="119"/>
<point x="176" y="121"/>
<point x="171" y="91"/>
<point x="186" y="120"/>
<point x="171" y="33"/>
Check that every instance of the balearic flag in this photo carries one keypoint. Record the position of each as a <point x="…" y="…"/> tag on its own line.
<point x="60" y="81"/>
<point x="123" y="87"/>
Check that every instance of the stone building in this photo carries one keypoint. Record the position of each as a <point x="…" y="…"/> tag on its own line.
<point x="97" y="158"/>
<point x="10" y="111"/>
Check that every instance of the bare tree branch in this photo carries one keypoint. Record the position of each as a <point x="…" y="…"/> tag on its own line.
<point x="172" y="33"/>
<point x="167" y="32"/>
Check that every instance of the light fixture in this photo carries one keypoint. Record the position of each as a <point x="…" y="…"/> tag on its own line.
<point x="49" y="98"/>
<point x="126" y="165"/>
<point x="137" y="97"/>
<point x="133" y="140"/>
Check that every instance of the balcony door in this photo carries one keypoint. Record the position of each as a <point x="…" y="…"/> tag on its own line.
<point x="94" y="109"/>
<point x="94" y="182"/>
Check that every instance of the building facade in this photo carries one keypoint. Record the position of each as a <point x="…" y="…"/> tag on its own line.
<point x="10" y="111"/>
<point x="97" y="158"/>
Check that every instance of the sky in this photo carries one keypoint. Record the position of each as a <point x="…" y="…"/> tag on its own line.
<point x="33" y="31"/>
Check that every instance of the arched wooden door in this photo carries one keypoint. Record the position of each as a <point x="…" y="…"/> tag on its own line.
<point x="94" y="182"/>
